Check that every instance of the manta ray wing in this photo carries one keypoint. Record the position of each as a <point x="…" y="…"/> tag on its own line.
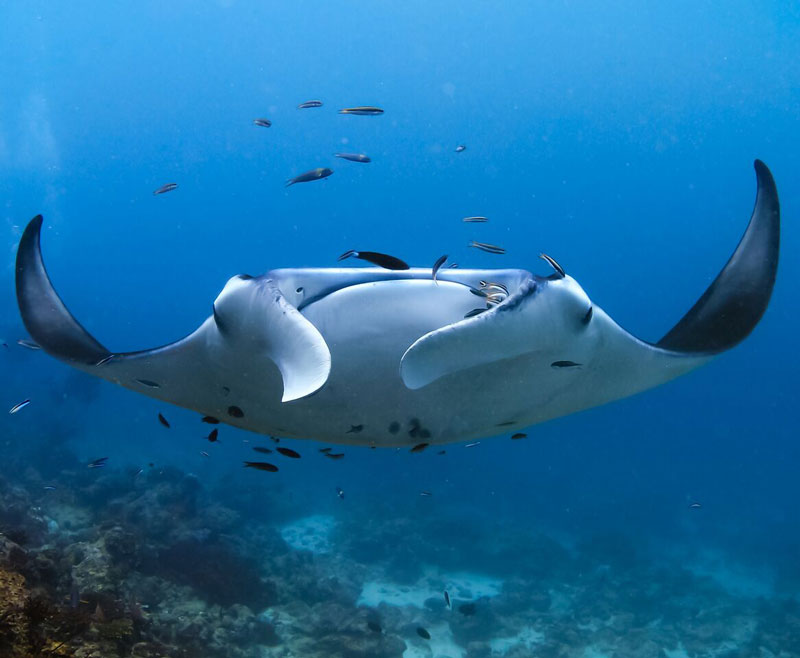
<point x="319" y="352"/>
<point x="553" y="319"/>
<point x="252" y="334"/>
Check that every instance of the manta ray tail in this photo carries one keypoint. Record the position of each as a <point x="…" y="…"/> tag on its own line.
<point x="45" y="317"/>
<point x="734" y="303"/>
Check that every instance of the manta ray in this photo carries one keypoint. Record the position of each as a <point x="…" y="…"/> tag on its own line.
<point x="382" y="357"/>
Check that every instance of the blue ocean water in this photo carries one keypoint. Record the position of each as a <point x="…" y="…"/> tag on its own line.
<point x="617" y="137"/>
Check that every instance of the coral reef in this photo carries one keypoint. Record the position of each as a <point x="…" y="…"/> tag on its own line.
<point x="155" y="565"/>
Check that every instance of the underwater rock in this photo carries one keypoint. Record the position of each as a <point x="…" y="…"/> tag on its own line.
<point x="216" y="572"/>
<point x="358" y="645"/>
<point x="14" y="625"/>
<point x="479" y="650"/>
<point x="519" y="594"/>
<point x="121" y="546"/>
<point x="435" y="604"/>
<point x="481" y="624"/>
<point x="18" y="521"/>
<point x="12" y="556"/>
<point x="92" y="571"/>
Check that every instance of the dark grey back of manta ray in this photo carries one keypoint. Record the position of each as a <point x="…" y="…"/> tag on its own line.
<point x="723" y="316"/>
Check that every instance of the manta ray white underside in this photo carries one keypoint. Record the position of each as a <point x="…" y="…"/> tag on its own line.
<point x="376" y="357"/>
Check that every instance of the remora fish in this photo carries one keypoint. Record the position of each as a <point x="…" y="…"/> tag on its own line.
<point x="28" y="344"/>
<point x="166" y="188"/>
<point x="19" y="406"/>
<point x="307" y="104"/>
<point x="263" y="123"/>
<point x="315" y="174"/>
<point x="477" y="219"/>
<point x="489" y="248"/>
<point x="363" y="110"/>
<point x="437" y="266"/>
<point x="98" y="463"/>
<point x="382" y="260"/>
<point x="353" y="157"/>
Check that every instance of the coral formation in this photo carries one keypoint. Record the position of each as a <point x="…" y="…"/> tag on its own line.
<point x="156" y="565"/>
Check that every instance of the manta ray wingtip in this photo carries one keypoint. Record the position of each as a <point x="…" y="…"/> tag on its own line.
<point x="43" y="313"/>
<point x="734" y="303"/>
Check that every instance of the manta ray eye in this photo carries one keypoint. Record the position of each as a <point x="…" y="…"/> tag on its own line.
<point x="299" y="291"/>
<point x="586" y="318"/>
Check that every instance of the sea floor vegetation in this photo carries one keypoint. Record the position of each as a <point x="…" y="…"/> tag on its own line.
<point x="153" y="565"/>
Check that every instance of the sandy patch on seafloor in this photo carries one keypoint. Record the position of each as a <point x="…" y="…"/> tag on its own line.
<point x="311" y="533"/>
<point x="462" y="586"/>
<point x="527" y="637"/>
<point x="736" y="579"/>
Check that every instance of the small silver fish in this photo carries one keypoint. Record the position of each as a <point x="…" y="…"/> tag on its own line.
<point x="425" y="493"/>
<point x="29" y="344"/>
<point x="437" y="265"/>
<point x="353" y="157"/>
<point x="472" y="445"/>
<point x="263" y="123"/>
<point x="98" y="463"/>
<point x="488" y="248"/>
<point x="339" y="492"/>
<point x="308" y="104"/>
<point x="478" y="219"/>
<point x="362" y="110"/>
<point x="695" y="506"/>
<point x="19" y="406"/>
<point x="461" y="148"/>
<point x="166" y="188"/>
<point x="49" y="487"/>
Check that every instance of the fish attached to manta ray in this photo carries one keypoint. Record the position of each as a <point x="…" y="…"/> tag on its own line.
<point x="315" y="352"/>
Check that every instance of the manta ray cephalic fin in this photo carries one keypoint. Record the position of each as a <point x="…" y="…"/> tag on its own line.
<point x="252" y="314"/>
